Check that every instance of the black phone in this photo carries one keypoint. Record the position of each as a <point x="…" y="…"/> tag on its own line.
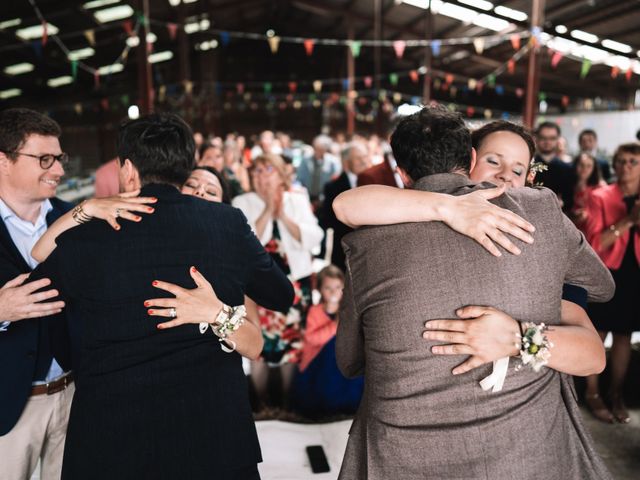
<point x="317" y="459"/>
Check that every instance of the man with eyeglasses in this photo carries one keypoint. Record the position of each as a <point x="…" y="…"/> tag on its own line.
<point x="35" y="383"/>
<point x="558" y="175"/>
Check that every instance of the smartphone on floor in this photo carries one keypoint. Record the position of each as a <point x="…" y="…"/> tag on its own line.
<point x="317" y="459"/>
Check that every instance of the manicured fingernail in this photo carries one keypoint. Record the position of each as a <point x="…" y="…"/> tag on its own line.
<point x="154" y="283"/>
<point x="159" y="326"/>
<point x="146" y="304"/>
<point x="117" y="227"/>
<point x="138" y="219"/>
<point x="150" y="210"/>
<point x="154" y="199"/>
<point x="193" y="269"/>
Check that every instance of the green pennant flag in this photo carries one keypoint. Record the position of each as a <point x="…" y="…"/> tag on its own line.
<point x="74" y="69"/>
<point x="125" y="100"/>
<point x="586" y="66"/>
<point x="491" y="80"/>
<point x="267" y="87"/>
<point x="542" y="96"/>
<point x="355" y="47"/>
<point x="393" y="78"/>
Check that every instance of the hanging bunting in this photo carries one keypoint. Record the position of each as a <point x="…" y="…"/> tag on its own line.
<point x="172" y="28"/>
<point x="565" y="101"/>
<point x="398" y="47"/>
<point x="188" y="86"/>
<point x="472" y="83"/>
<point x="413" y="75"/>
<point x="368" y="81"/>
<point x="449" y="78"/>
<point x="586" y="66"/>
<point x="125" y="54"/>
<point x="435" y="47"/>
<point x="267" y="87"/>
<point x="225" y="38"/>
<point x="536" y="37"/>
<point x="78" y="108"/>
<point x="479" y="86"/>
<point x="555" y="59"/>
<point x="317" y="86"/>
<point x="478" y="44"/>
<point x="104" y="103"/>
<point x="240" y="88"/>
<point x="393" y="79"/>
<point x="628" y="74"/>
<point x="90" y="35"/>
<point x="74" y="69"/>
<point x="488" y="114"/>
<point x="128" y="27"/>
<point x="491" y="80"/>
<point x="515" y="41"/>
<point x="470" y="111"/>
<point x="397" y="97"/>
<point x="500" y="89"/>
<point x="274" y="43"/>
<point x="437" y="84"/>
<point x="162" y="93"/>
<point x="124" y="99"/>
<point x="345" y="84"/>
<point x="293" y="86"/>
<point x="453" y="91"/>
<point x="615" y="71"/>
<point x="45" y="32"/>
<point x="308" y="46"/>
<point x="355" y="46"/>
<point x="542" y="96"/>
<point x="511" y="66"/>
<point x="519" y="92"/>
<point x="96" y="79"/>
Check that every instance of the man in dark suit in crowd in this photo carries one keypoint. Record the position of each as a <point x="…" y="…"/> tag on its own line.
<point x="559" y="175"/>
<point x="355" y="160"/>
<point x="588" y="142"/>
<point x="35" y="384"/>
<point x="152" y="402"/>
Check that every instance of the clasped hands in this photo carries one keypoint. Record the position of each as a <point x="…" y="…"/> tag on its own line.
<point x="483" y="333"/>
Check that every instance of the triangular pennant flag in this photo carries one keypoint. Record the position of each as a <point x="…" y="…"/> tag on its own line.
<point x="74" y="69"/>
<point x="308" y="46"/>
<point x="479" y="86"/>
<point x="555" y="59"/>
<point x="615" y="71"/>
<point x="345" y="84"/>
<point x="45" y="32"/>
<point x="565" y="101"/>
<point x="472" y="83"/>
<point x="628" y="74"/>
<point x="437" y="83"/>
<point x="162" y="92"/>
<point x="90" y="35"/>
<point x="398" y="47"/>
<point x="225" y="38"/>
<point x="470" y="111"/>
<point x="317" y="85"/>
<point x="274" y="43"/>
<point x="515" y="41"/>
<point x="96" y="79"/>
<point x="499" y="89"/>
<point x="488" y="114"/>
<point x="511" y="66"/>
<point x="172" y="28"/>
<point x="37" y="47"/>
<point x="453" y="91"/>
<point x="542" y="96"/>
<point x="448" y="78"/>
<point x="240" y="88"/>
<point x="368" y="81"/>
<point x="293" y="86"/>
<point x="397" y="97"/>
<point x="519" y="92"/>
<point x="124" y="99"/>
<point x="393" y="78"/>
<point x="78" y="108"/>
<point x="188" y="87"/>
<point x="478" y="44"/>
<point x="104" y="103"/>
<point x="267" y="87"/>
<point x="435" y="47"/>
<point x="355" y="45"/>
<point x="586" y="66"/>
<point x="413" y="75"/>
<point x="125" y="54"/>
<point x="491" y="80"/>
<point x="128" y="27"/>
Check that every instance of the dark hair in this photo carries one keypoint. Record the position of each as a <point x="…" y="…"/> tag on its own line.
<point x="595" y="177"/>
<point x="160" y="146"/>
<point x="632" y="148"/>
<point x="548" y="125"/>
<point x="638" y="135"/>
<point x="16" y="124"/>
<point x="206" y="146"/>
<point x="587" y="131"/>
<point x="433" y="140"/>
<point x="330" y="271"/>
<point x="226" y="196"/>
<point x="478" y="136"/>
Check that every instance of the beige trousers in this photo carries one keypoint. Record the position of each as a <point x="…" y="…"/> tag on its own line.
<point x="39" y="434"/>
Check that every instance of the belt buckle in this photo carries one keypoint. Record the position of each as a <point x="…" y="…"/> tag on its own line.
<point x="58" y="385"/>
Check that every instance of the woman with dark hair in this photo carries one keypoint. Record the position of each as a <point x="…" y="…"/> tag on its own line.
<point x="587" y="178"/>
<point x="613" y="229"/>
<point x="207" y="183"/>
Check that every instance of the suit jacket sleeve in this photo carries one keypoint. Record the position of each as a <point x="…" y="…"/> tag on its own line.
<point x="267" y="284"/>
<point x="350" y="336"/>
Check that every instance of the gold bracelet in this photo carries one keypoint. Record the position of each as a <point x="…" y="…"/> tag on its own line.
<point x="79" y="215"/>
<point x="615" y="230"/>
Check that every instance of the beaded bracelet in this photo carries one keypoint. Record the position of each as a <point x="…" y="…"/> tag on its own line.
<point x="534" y="346"/>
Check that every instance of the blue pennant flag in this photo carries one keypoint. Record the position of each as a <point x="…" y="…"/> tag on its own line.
<point x="435" y="47"/>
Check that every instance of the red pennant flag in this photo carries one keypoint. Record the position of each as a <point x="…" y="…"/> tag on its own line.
<point x="448" y="78"/>
<point x="104" y="103"/>
<point x="555" y="60"/>
<point x="293" y="86"/>
<point x="519" y="92"/>
<point x="479" y="86"/>
<point x="398" y="47"/>
<point x="628" y="74"/>
<point x="615" y="71"/>
<point x="45" y="33"/>
<point x="149" y="48"/>
<point x="515" y="42"/>
<point x="565" y="101"/>
<point x="96" y="79"/>
<point x="368" y="81"/>
<point x="128" y="27"/>
<point x="308" y="46"/>
<point x="173" y="30"/>
<point x="240" y="88"/>
<point x="470" y="111"/>
<point x="511" y="66"/>
<point x="413" y="75"/>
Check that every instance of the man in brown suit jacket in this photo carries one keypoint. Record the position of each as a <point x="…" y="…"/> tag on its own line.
<point x="416" y="420"/>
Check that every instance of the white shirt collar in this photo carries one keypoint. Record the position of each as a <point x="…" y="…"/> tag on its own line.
<point x="45" y="208"/>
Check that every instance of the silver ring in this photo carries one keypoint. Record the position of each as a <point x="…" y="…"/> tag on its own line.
<point x="117" y="212"/>
<point x="173" y="313"/>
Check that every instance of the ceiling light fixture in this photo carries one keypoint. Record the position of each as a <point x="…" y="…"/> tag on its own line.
<point x="36" y="31"/>
<point x="19" y="68"/>
<point x="114" y="13"/>
<point x="511" y="13"/>
<point x="584" y="36"/>
<point x="60" y="81"/>
<point x="12" y="92"/>
<point x="81" y="53"/>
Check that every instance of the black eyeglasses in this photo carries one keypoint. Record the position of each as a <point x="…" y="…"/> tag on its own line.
<point x="47" y="160"/>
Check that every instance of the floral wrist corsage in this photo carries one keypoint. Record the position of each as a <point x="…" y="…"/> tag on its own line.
<point x="534" y="346"/>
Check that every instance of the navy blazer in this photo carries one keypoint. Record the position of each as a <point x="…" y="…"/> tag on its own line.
<point x="19" y="344"/>
<point x="329" y="219"/>
<point x="155" y="403"/>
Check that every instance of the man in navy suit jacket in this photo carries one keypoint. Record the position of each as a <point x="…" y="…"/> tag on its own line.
<point x="159" y="403"/>
<point x="34" y="347"/>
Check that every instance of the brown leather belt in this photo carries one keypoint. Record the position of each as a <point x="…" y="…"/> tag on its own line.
<point x="52" y="387"/>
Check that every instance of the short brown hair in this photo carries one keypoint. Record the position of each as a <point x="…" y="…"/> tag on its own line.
<point x="16" y="124"/>
<point x="276" y="162"/>
<point x="330" y="271"/>
<point x="632" y="148"/>
<point x="478" y="136"/>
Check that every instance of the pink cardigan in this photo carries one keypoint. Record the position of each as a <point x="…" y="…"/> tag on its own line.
<point x="320" y="329"/>
<point x="606" y="207"/>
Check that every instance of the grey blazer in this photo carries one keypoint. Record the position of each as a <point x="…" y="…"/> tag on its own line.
<point x="417" y="420"/>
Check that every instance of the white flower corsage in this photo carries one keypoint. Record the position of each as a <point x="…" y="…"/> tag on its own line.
<point x="535" y="348"/>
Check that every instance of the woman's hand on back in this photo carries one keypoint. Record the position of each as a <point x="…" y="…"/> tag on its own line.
<point x="119" y="206"/>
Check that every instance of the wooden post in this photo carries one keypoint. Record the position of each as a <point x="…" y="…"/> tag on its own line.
<point x="145" y="84"/>
<point x="533" y="70"/>
<point x="351" y="67"/>
<point x="428" y="34"/>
